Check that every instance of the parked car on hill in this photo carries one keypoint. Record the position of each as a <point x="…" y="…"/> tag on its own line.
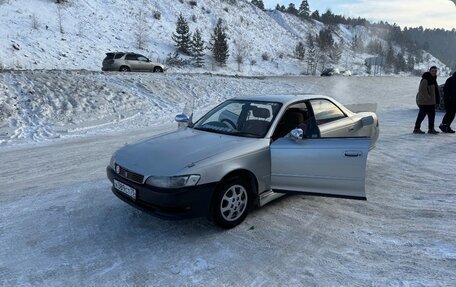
<point x="244" y="153"/>
<point x="335" y="71"/>
<point x="328" y="72"/>
<point x="126" y="62"/>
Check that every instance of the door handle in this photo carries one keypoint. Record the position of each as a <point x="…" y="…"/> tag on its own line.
<point x="353" y="153"/>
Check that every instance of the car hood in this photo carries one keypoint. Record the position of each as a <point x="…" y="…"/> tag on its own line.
<point x="169" y="154"/>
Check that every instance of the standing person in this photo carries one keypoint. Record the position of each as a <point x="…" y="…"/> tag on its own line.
<point x="449" y="94"/>
<point x="433" y="71"/>
<point x="425" y="99"/>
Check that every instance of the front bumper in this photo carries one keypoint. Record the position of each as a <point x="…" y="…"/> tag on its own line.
<point x="167" y="203"/>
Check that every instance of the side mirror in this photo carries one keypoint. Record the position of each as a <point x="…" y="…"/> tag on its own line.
<point x="183" y="120"/>
<point x="297" y="134"/>
<point x="367" y="121"/>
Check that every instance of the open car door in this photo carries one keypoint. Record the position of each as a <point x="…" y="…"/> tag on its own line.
<point x="321" y="166"/>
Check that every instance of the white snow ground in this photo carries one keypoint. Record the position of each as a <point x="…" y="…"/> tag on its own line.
<point x="60" y="225"/>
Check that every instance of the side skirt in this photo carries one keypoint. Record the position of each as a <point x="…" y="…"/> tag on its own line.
<point x="319" y="194"/>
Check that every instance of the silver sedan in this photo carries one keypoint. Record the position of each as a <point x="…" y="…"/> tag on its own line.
<point x="244" y="153"/>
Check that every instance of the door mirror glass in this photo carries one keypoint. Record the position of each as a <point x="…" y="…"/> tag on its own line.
<point x="367" y="121"/>
<point x="181" y="118"/>
<point x="183" y="121"/>
<point x="297" y="134"/>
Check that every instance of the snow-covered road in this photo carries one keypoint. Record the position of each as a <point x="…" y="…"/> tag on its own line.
<point x="60" y="225"/>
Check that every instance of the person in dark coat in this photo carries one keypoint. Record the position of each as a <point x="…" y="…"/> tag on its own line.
<point x="425" y="99"/>
<point x="433" y="71"/>
<point x="449" y="94"/>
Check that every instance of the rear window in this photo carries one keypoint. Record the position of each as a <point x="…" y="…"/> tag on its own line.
<point x="119" y="55"/>
<point x="109" y="56"/>
<point x="325" y="111"/>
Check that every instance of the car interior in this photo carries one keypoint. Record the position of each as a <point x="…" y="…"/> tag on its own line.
<point x="296" y="116"/>
<point x="257" y="120"/>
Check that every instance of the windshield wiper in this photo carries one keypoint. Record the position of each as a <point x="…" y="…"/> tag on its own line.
<point x="241" y="133"/>
<point x="212" y="130"/>
<point x="233" y="132"/>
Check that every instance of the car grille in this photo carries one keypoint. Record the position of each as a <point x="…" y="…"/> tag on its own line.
<point x="123" y="172"/>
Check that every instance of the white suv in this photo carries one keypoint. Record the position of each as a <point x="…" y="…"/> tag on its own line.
<point x="126" y="62"/>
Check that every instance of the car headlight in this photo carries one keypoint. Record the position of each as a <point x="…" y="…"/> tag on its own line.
<point x="112" y="163"/>
<point x="173" y="181"/>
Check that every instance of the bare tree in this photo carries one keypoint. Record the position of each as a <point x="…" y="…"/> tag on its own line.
<point x="35" y="24"/>
<point x="59" y="11"/>
<point x="240" y="51"/>
<point x="141" y="30"/>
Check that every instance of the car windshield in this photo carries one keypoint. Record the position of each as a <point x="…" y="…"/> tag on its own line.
<point x="240" y="118"/>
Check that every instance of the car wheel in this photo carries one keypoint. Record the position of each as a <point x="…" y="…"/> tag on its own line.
<point x="124" y="69"/>
<point x="158" y="70"/>
<point x="231" y="203"/>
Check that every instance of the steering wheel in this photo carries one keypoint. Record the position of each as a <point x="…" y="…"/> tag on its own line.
<point x="229" y="123"/>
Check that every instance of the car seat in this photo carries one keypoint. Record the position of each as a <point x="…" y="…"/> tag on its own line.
<point x="258" y="125"/>
<point x="291" y="119"/>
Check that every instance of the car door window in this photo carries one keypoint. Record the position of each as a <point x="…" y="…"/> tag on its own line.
<point x="296" y="116"/>
<point x="131" y="57"/>
<point x="325" y="111"/>
<point x="142" y="59"/>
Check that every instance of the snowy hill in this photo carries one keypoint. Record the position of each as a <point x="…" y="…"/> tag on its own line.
<point x="44" y="35"/>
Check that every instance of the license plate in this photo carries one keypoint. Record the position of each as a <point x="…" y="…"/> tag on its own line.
<point x="131" y="192"/>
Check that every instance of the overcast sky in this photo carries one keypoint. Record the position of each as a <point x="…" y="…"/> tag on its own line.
<point x="410" y="13"/>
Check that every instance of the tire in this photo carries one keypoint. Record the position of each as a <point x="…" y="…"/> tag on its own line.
<point x="124" y="69"/>
<point x="231" y="203"/>
<point x="158" y="70"/>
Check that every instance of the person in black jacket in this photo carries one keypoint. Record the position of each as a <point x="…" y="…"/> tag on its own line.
<point x="449" y="93"/>
<point x="425" y="99"/>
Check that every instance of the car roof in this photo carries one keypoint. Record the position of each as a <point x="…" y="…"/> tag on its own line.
<point x="284" y="99"/>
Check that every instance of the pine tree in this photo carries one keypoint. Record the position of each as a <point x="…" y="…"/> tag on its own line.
<point x="335" y="54"/>
<point x="315" y="15"/>
<point x="304" y="10"/>
<point x="258" y="3"/>
<point x="292" y="9"/>
<point x="182" y="36"/>
<point x="300" y="51"/>
<point x="390" y="59"/>
<point x="356" y="45"/>
<point x="311" y="55"/>
<point x="198" y="49"/>
<point x="219" y="44"/>
<point x="325" y="40"/>
<point x="399" y="63"/>
<point x="410" y="62"/>
<point x="280" y="8"/>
